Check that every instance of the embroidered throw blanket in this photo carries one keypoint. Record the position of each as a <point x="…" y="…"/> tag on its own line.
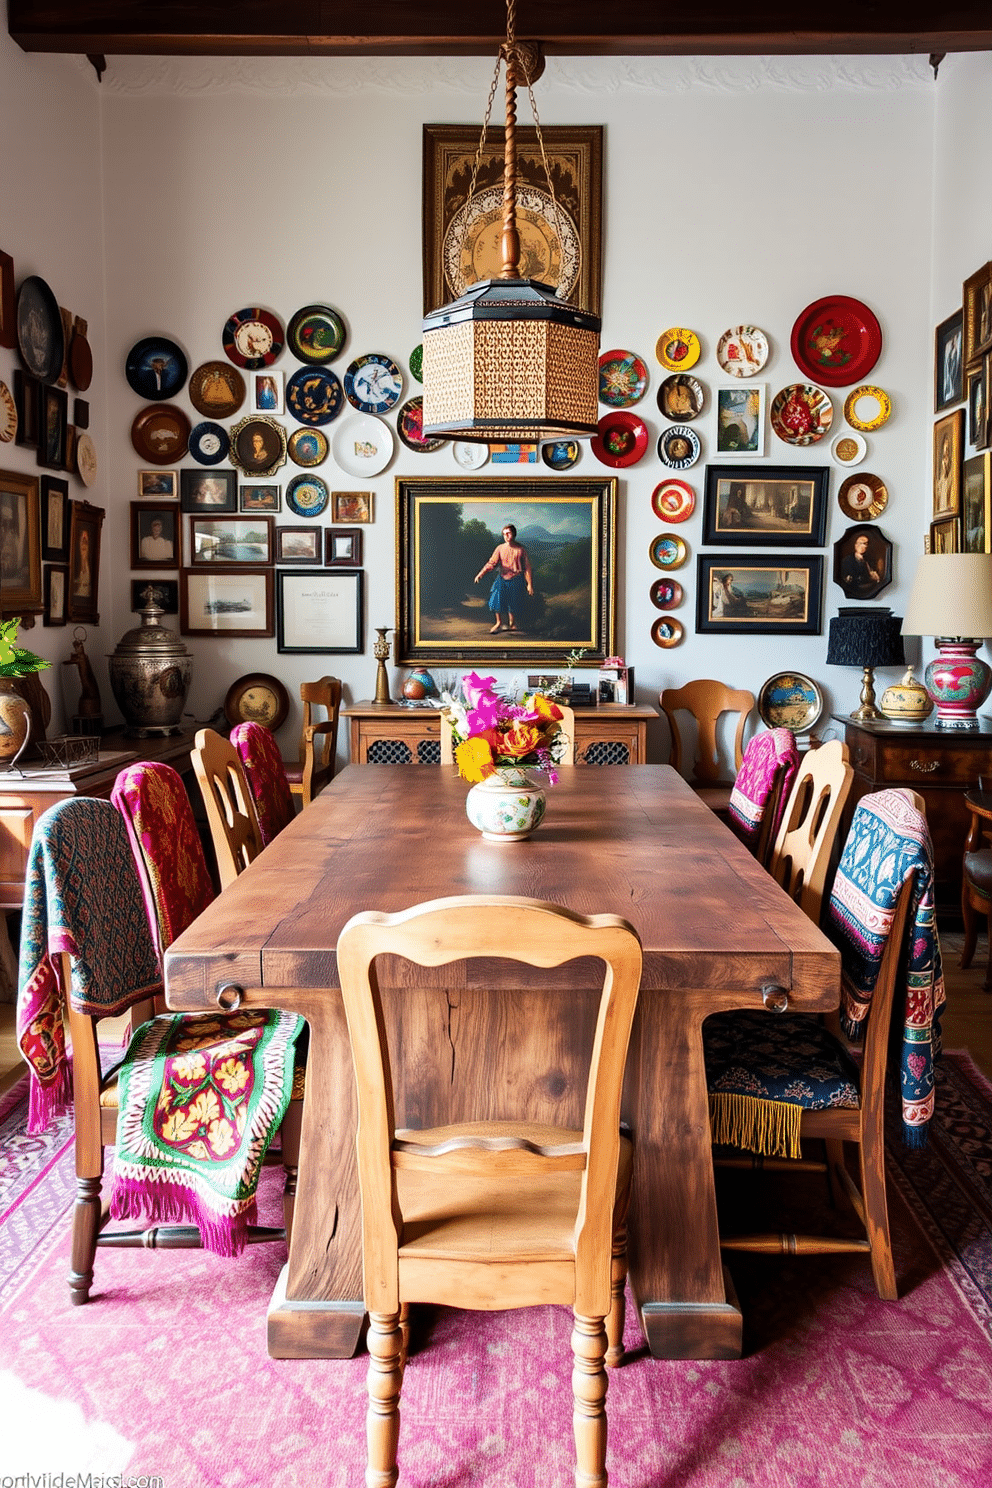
<point x="767" y="755"/>
<point x="888" y="844"/>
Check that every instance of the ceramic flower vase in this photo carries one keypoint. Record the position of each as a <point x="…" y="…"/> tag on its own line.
<point x="15" y="724"/>
<point x="506" y="807"/>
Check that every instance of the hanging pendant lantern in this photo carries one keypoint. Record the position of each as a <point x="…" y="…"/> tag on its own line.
<point x="509" y="360"/>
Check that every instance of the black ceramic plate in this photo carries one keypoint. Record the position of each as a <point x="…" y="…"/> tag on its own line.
<point x="209" y="443"/>
<point x="156" y="368"/>
<point x="40" y="335"/>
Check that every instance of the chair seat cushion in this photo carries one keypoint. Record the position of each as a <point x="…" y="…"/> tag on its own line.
<point x="787" y="1057"/>
<point x="978" y="871"/>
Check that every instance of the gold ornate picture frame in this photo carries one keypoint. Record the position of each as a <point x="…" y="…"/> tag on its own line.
<point x="462" y="237"/>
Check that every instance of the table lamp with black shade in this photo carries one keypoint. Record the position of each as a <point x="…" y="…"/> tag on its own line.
<point x="951" y="600"/>
<point x="866" y="637"/>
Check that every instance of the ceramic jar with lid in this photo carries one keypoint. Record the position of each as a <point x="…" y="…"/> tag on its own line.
<point x="150" y="673"/>
<point x="907" y="701"/>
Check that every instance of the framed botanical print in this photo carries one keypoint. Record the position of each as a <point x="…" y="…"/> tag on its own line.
<point x="85" y="529"/>
<point x="562" y="247"/>
<point x="20" y="545"/>
<point x="759" y="594"/>
<point x="948" y="362"/>
<point x="319" y="611"/>
<point x="948" y="448"/>
<point x="771" y="506"/>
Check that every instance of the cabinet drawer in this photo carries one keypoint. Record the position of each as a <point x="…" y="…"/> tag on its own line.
<point x="926" y="764"/>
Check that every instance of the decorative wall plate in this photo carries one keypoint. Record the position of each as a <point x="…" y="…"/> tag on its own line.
<point x="678" y="349"/>
<point x="253" y="338"/>
<point x="80" y="361"/>
<point x="681" y="397"/>
<point x="621" y="441"/>
<point x="410" y="427"/>
<point x="790" y="700"/>
<point x="667" y="632"/>
<point x="307" y="447"/>
<point x="209" y="443"/>
<point x="314" y="396"/>
<point x="86" y="466"/>
<point x="257" y="698"/>
<point x="362" y="445"/>
<point x="666" y="594"/>
<point x="836" y="341"/>
<point x="867" y="408"/>
<point x="561" y="454"/>
<point x="156" y="368"/>
<point x="678" y="447"/>
<point x="849" y="449"/>
<point x="416" y="364"/>
<point x="862" y="497"/>
<point x="258" y="445"/>
<point x="160" y="433"/>
<point x="217" y="390"/>
<point x="801" y="413"/>
<point x="315" y="334"/>
<point x="673" y="501"/>
<point x="623" y="378"/>
<point x="742" y="351"/>
<point x="668" y="551"/>
<point x="307" y="495"/>
<point x="373" y="383"/>
<point x="8" y="414"/>
<point x="469" y="455"/>
<point x="40" y="333"/>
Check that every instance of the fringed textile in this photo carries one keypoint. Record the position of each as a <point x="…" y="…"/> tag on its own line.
<point x="769" y="756"/>
<point x="266" y="776"/>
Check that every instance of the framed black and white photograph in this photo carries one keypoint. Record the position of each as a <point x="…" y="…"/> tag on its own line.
<point x="154" y="535"/>
<point x="948" y="362"/>
<point x="342" y="547"/>
<point x="863" y="561"/>
<point x="752" y="594"/>
<point x="774" y="506"/>
<point x="232" y="602"/>
<point x="225" y="541"/>
<point x="320" y="611"/>
<point x="54" y="519"/>
<point x="298" y="545"/>
<point x="165" y="591"/>
<point x="208" y="490"/>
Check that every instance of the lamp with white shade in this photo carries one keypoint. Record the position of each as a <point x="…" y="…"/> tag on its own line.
<point x="951" y="600"/>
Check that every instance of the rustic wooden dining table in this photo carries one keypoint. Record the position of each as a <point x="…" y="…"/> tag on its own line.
<point x="717" y="933"/>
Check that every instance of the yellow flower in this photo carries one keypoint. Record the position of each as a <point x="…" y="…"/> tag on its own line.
<point x="547" y="709"/>
<point x="189" y="1068"/>
<point x="221" y="1137"/>
<point x="179" y="1126"/>
<point x="232" y="1075"/>
<point x="205" y="1108"/>
<point x="474" y="758"/>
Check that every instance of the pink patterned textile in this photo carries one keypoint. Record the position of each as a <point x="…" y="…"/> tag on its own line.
<point x="168" y="855"/>
<point x="266" y="778"/>
<point x="768" y="757"/>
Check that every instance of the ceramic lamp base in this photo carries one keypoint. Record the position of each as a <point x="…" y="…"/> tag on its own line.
<point x="959" y="682"/>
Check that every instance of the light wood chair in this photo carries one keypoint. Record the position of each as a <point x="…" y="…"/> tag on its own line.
<point x="707" y="701"/>
<point x="567" y="728"/>
<point x="228" y="803"/>
<point x="318" y="741"/>
<point x="802" y="852"/>
<point x="492" y="1215"/>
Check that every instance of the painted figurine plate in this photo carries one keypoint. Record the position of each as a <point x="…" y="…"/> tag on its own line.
<point x="667" y="632"/>
<point x="156" y="368"/>
<point x="801" y="413"/>
<point x="307" y="495"/>
<point x="849" y="449"/>
<point x="867" y="408"/>
<point x="678" y="447"/>
<point x="307" y="447"/>
<point x="258" y="446"/>
<point x="160" y="433"/>
<point x="836" y="341"/>
<point x="209" y="443"/>
<point x="469" y="455"/>
<point x="315" y="334"/>
<point x="666" y="594"/>
<point x="253" y="338"/>
<point x="561" y="454"/>
<point x="373" y="383"/>
<point x="668" y="551"/>
<point x="790" y="700"/>
<point x="742" y="351"/>
<point x="681" y="398"/>
<point x="621" y="441"/>
<point x="314" y="396"/>
<point x="623" y="379"/>
<point x="410" y="427"/>
<point x="673" y="501"/>
<point x="863" y="497"/>
<point x="362" y="445"/>
<point x="678" y="349"/>
<point x="217" y="390"/>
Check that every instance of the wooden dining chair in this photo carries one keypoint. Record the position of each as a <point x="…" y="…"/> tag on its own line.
<point x="266" y="776"/>
<point x="976" y="879"/>
<point x="228" y="803"/>
<point x="318" y="739"/>
<point x="567" y="727"/>
<point x="803" y="849"/>
<point x="795" y="1062"/>
<point x="493" y="1214"/>
<point x="761" y="789"/>
<point x="707" y="701"/>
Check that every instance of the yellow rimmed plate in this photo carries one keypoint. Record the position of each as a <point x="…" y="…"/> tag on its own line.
<point x="867" y="407"/>
<point x="678" y="349"/>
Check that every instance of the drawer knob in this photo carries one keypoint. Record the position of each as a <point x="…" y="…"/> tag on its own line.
<point x="924" y="767"/>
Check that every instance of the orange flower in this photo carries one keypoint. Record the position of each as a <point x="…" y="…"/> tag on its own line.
<point x="544" y="706"/>
<point x="519" y="739"/>
<point x="474" y="758"/>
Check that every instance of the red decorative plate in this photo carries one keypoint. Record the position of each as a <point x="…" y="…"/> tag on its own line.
<point x="621" y="441"/>
<point x="253" y="338"/>
<point x="836" y="341"/>
<point x="673" y="501"/>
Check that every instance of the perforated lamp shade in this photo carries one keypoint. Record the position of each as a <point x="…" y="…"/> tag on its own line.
<point x="951" y="600"/>
<point x="866" y="638"/>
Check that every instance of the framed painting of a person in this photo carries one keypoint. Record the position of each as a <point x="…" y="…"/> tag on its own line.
<point x="863" y="561"/>
<point x="20" y="545"/>
<point x="948" y="443"/>
<point x="85" y="531"/>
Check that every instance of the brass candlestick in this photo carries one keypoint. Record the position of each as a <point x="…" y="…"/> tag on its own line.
<point x="381" y="653"/>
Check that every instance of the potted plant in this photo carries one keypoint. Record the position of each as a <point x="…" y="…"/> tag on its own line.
<point x="15" y="715"/>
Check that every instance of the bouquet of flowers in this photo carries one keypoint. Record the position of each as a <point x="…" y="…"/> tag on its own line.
<point x="493" y="733"/>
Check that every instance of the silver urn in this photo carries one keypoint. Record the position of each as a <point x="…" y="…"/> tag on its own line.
<point x="150" y="673"/>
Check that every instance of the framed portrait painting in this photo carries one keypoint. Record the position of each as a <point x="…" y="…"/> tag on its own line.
<point x="20" y="544"/>
<point x="948" y="447"/>
<point x="154" y="535"/>
<point x="863" y="561"/>
<point x="759" y="594"/>
<point x="85" y="530"/>
<point x="977" y="313"/>
<point x="462" y="235"/>
<point x="776" y="506"/>
<point x="948" y="362"/>
<point x="502" y="571"/>
<point x="976" y="493"/>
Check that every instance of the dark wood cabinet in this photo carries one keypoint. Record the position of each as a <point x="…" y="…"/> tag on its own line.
<point x="941" y="764"/>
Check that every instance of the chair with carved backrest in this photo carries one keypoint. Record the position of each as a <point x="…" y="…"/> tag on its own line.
<point x="228" y="803"/>
<point x="567" y="728"/>
<point x="707" y="701"/>
<point x="803" y="849"/>
<point x="492" y="1214"/>
<point x="318" y="740"/>
<point x="266" y="778"/>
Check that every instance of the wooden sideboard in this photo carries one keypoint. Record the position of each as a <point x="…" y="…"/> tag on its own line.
<point x="941" y="764"/>
<point x="391" y="734"/>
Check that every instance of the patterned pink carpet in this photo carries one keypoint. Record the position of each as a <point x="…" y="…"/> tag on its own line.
<point x="165" y="1374"/>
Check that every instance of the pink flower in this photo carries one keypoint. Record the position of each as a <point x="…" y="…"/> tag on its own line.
<point x="484" y="715"/>
<point x="473" y="686"/>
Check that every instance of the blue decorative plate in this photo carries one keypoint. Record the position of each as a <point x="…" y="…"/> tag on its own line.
<point x="373" y="383"/>
<point x="561" y="454"/>
<point x="156" y="368"/>
<point x="209" y="443"/>
<point x="314" y="396"/>
<point x="307" y="495"/>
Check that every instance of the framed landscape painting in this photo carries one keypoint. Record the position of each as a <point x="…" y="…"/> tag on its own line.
<point x="752" y="594"/>
<point x="449" y="567"/>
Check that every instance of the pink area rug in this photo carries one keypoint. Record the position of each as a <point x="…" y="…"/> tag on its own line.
<point x="165" y="1375"/>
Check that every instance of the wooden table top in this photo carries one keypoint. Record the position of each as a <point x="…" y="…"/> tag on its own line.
<point x="634" y="841"/>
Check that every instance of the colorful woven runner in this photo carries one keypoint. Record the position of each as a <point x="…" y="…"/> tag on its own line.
<point x="768" y="756"/>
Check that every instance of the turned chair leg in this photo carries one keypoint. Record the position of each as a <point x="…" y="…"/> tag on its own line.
<point x="589" y="1385"/>
<point x="385" y="1345"/>
<point x="872" y="1164"/>
<point x="618" y="1310"/>
<point x="86" y="1218"/>
<point x="404" y="1335"/>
